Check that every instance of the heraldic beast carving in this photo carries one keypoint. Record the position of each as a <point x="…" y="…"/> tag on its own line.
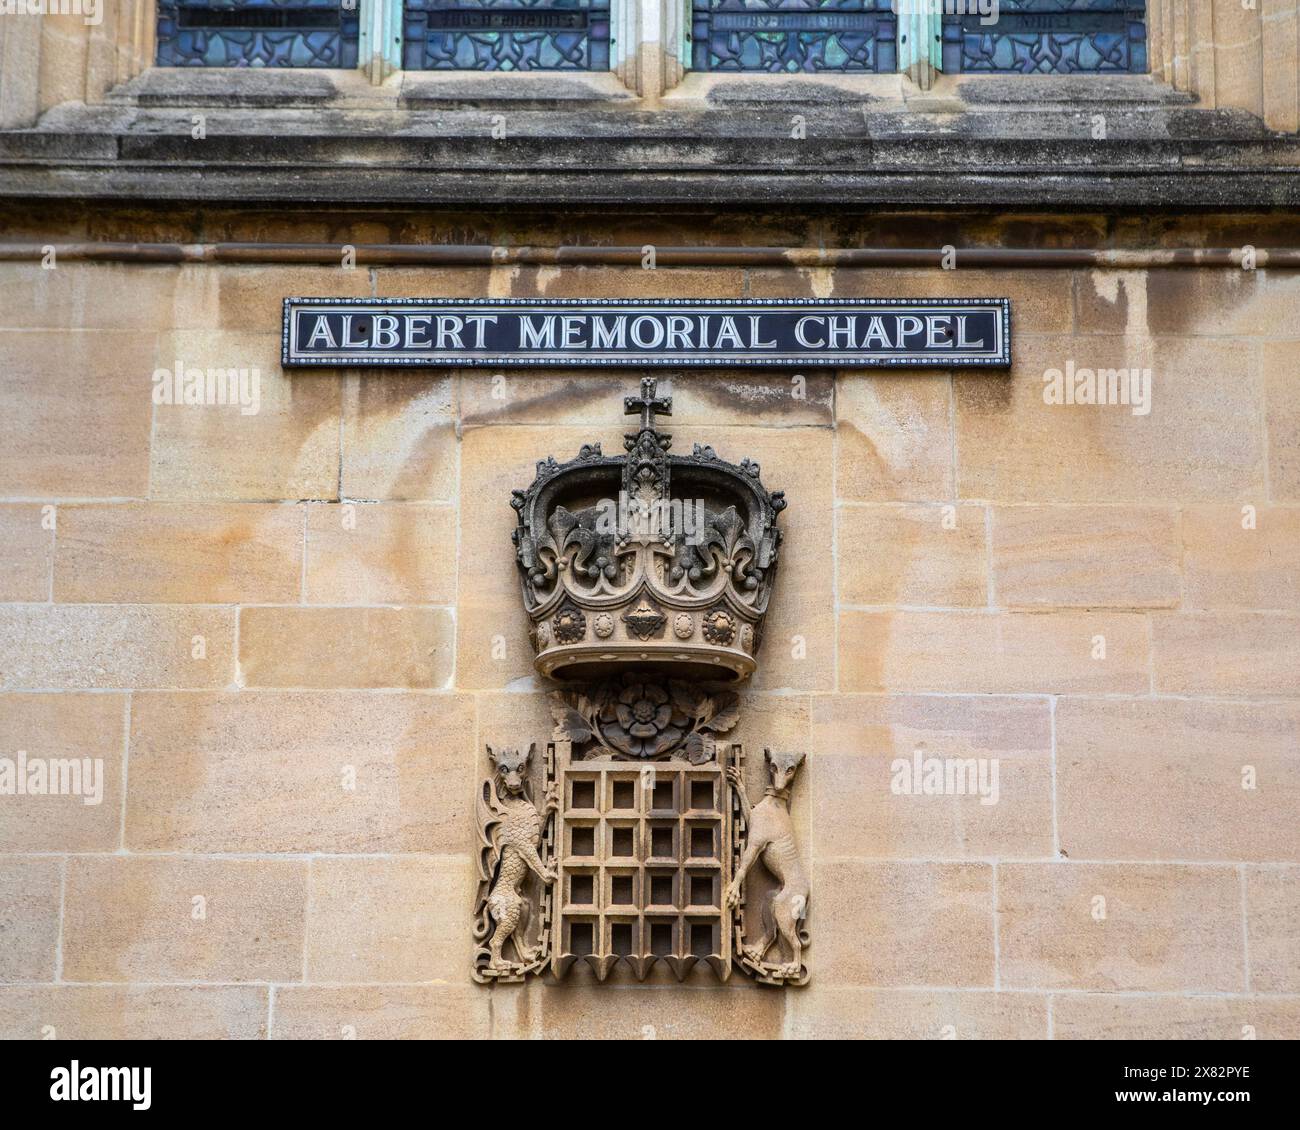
<point x="511" y="830"/>
<point x="769" y="838"/>
<point x="646" y="578"/>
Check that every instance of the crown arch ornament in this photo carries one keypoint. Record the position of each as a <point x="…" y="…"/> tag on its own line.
<point x="646" y="577"/>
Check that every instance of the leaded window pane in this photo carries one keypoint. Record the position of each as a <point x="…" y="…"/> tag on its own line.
<point x="257" y="33"/>
<point x="1049" y="37"/>
<point x="789" y="36"/>
<point x="506" y="35"/>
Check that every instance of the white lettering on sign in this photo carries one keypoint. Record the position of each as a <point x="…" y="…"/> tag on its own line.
<point x="859" y="332"/>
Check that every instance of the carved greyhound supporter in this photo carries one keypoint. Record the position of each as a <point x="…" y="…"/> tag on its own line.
<point x="771" y="839"/>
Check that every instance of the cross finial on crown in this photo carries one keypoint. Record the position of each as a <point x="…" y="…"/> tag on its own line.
<point x="647" y="404"/>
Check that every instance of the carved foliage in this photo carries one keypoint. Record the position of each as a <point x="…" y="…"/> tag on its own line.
<point x="643" y="716"/>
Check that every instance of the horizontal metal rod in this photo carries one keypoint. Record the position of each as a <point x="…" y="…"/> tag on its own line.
<point x="484" y="255"/>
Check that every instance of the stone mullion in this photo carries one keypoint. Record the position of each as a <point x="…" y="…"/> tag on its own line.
<point x="650" y="48"/>
<point x="1280" y="63"/>
<point x="1213" y="50"/>
<point x="379" y="51"/>
<point x="623" y="41"/>
<point x="20" y="62"/>
<point x="920" y="33"/>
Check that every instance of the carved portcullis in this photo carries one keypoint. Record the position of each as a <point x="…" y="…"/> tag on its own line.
<point x="644" y="863"/>
<point x="646" y="578"/>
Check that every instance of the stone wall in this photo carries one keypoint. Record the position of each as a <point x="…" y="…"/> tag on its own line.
<point x="236" y="611"/>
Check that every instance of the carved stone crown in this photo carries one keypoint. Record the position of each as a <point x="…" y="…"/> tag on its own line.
<point x="647" y="558"/>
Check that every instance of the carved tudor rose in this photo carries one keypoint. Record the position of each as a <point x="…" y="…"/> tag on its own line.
<point x="646" y="850"/>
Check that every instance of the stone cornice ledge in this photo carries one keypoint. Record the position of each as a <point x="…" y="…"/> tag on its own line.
<point x="972" y="145"/>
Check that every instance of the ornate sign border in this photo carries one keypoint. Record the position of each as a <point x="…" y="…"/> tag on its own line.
<point x="295" y="353"/>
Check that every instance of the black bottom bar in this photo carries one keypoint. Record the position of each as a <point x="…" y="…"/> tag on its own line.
<point x="1245" y="1081"/>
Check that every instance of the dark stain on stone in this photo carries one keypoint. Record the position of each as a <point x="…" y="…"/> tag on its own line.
<point x="1180" y="301"/>
<point x="573" y="393"/>
<point x="990" y="391"/>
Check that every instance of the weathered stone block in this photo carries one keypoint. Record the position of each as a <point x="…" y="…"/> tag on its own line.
<point x="1200" y="441"/>
<point x="1117" y="927"/>
<point x="864" y="804"/>
<point x="389" y="919"/>
<point x="1085" y="556"/>
<point x="300" y="772"/>
<point x="382" y="1012"/>
<point x="992" y="652"/>
<point x="133" y="1012"/>
<point x="29" y="917"/>
<point x="346" y="647"/>
<point x="361" y="553"/>
<point x="86" y="728"/>
<point x="1273" y="925"/>
<point x="71" y="646"/>
<point x="285" y="449"/>
<point x="893" y="438"/>
<point x="903" y="924"/>
<point x="26" y="553"/>
<point x="915" y="1014"/>
<point x="920" y="555"/>
<point x="179" y="553"/>
<point x="1282" y="420"/>
<point x="399" y="437"/>
<point x="160" y="919"/>
<point x="1167" y="779"/>
<point x="1239" y="558"/>
<point x="51" y="443"/>
<point x="1116" y="1016"/>
<point x="1232" y="653"/>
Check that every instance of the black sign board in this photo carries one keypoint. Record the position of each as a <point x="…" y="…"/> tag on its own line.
<point x="847" y="333"/>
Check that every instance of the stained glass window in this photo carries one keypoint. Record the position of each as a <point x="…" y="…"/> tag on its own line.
<point x="1049" y="37"/>
<point x="258" y="33"/>
<point x="789" y="36"/>
<point x="506" y="35"/>
<point x="1012" y="37"/>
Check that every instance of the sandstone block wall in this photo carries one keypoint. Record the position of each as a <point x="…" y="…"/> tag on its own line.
<point x="239" y="613"/>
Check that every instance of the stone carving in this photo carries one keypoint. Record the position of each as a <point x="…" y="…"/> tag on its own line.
<point x="570" y="625"/>
<point x="646" y="620"/>
<point x="643" y="864"/>
<point x="719" y="627"/>
<point x="646" y="579"/>
<point x="642" y="715"/>
<point x="768" y="836"/>
<point x="646" y="537"/>
<point x="511" y="833"/>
